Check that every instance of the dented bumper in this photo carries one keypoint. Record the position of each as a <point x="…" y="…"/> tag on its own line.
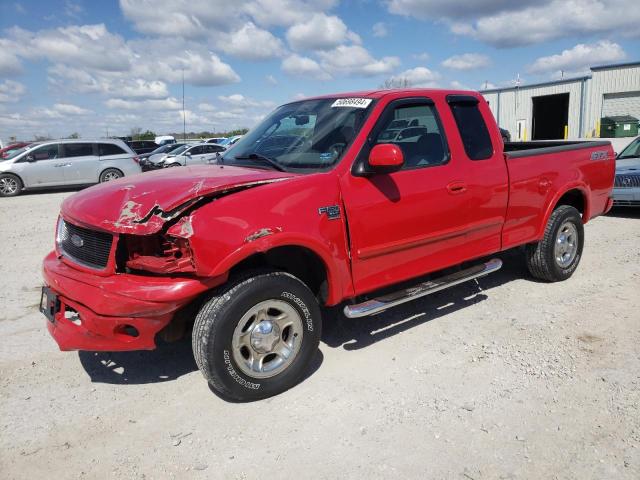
<point x="117" y="312"/>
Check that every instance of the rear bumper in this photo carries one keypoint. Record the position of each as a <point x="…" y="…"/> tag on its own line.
<point x="108" y="307"/>
<point x="629" y="197"/>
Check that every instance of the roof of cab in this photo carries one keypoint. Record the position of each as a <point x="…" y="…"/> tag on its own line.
<point x="375" y="94"/>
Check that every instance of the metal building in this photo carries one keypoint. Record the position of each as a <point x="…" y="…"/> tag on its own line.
<point x="567" y="108"/>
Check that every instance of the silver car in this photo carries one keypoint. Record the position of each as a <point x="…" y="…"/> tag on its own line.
<point x="66" y="162"/>
<point x="187" y="155"/>
<point x="626" y="190"/>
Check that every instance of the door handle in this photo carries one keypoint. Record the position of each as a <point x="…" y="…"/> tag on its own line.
<point x="62" y="165"/>
<point x="456" y="188"/>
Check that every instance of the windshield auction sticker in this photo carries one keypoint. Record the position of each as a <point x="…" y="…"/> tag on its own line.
<point x="352" y="102"/>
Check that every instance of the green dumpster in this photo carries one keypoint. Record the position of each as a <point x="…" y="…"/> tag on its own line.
<point x="618" y="127"/>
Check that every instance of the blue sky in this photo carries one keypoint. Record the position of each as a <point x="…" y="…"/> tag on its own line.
<point x="79" y="66"/>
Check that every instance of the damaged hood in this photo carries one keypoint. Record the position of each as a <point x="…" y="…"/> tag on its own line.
<point x="143" y="203"/>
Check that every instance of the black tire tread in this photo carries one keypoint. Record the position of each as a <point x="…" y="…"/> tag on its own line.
<point x="537" y="261"/>
<point x="207" y="316"/>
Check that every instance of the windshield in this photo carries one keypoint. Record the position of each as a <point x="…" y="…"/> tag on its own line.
<point x="14" y="153"/>
<point x="311" y="134"/>
<point x="632" y="150"/>
<point x="179" y="150"/>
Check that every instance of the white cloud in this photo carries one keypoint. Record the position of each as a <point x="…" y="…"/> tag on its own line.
<point x="284" y="13"/>
<point x="356" y="60"/>
<point x="11" y="91"/>
<point x="320" y="32"/>
<point x="9" y="63"/>
<point x="380" y="30"/>
<point x="271" y="80"/>
<point x="181" y="18"/>
<point x="88" y="46"/>
<point x="239" y="100"/>
<point x="467" y="61"/>
<point x="504" y="23"/>
<point x="578" y="59"/>
<point x="306" y="67"/>
<point x="416" y="77"/>
<point x="206" y="107"/>
<point x="169" y="103"/>
<point x="251" y="43"/>
<point x="70" y="109"/>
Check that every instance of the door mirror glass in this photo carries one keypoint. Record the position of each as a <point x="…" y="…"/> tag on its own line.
<point x="386" y="158"/>
<point x="30" y="158"/>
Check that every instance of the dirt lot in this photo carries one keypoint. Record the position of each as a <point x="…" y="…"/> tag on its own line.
<point x="503" y="378"/>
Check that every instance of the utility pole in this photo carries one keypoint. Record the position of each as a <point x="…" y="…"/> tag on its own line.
<point x="184" y="118"/>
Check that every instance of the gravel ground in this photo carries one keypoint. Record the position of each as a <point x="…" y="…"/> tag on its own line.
<point x="502" y="378"/>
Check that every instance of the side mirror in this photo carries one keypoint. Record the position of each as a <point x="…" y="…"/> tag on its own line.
<point x="30" y="158"/>
<point x="386" y="158"/>
<point x="188" y="154"/>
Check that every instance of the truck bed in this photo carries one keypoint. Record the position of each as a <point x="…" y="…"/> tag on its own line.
<point x="542" y="147"/>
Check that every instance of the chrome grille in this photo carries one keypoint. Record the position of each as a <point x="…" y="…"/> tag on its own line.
<point x="627" y="181"/>
<point x="84" y="246"/>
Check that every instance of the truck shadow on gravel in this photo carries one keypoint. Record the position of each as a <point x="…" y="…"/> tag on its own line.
<point x="172" y="360"/>
<point x="357" y="333"/>
<point x="167" y="362"/>
<point x="625" y="212"/>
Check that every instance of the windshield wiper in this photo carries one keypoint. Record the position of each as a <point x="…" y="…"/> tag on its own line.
<point x="262" y="158"/>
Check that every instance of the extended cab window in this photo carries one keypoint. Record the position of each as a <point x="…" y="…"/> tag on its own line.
<point x="473" y="129"/>
<point x="109" y="149"/>
<point x="422" y="143"/>
<point x="78" y="149"/>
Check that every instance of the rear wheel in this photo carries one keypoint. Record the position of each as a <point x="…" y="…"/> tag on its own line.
<point x="257" y="336"/>
<point x="558" y="254"/>
<point x="10" y="185"/>
<point x="110" y="174"/>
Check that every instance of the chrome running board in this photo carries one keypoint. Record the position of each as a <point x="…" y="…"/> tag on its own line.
<point x="377" y="305"/>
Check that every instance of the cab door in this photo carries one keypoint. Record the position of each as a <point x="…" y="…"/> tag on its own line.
<point x="412" y="221"/>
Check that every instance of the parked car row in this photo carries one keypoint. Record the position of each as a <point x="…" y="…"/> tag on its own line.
<point x="56" y="163"/>
<point x="64" y="163"/>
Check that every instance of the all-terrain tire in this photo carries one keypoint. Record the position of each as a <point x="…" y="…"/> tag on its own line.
<point x="10" y="185"/>
<point x="218" y="320"/>
<point x="542" y="260"/>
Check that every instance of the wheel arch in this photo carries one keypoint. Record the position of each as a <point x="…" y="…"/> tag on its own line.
<point x="317" y="269"/>
<point x="576" y="196"/>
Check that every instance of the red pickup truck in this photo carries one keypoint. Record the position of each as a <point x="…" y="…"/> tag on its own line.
<point x="328" y="200"/>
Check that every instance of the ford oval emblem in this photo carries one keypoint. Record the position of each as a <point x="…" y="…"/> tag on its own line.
<point x="77" y="240"/>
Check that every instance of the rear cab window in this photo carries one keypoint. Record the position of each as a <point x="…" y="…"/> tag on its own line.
<point x="472" y="127"/>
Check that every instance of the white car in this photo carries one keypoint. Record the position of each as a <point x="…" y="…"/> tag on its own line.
<point x="199" y="154"/>
<point x="66" y="162"/>
<point x="164" y="139"/>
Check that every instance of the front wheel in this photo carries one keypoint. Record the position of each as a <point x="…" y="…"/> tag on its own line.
<point x="558" y="254"/>
<point x="257" y="336"/>
<point x="10" y="185"/>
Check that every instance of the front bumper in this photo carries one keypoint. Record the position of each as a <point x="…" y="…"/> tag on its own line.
<point x="626" y="197"/>
<point x="110" y="308"/>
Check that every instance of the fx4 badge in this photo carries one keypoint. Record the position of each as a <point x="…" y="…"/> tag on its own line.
<point x="332" y="211"/>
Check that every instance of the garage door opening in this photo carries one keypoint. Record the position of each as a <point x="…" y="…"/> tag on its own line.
<point x="550" y="116"/>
